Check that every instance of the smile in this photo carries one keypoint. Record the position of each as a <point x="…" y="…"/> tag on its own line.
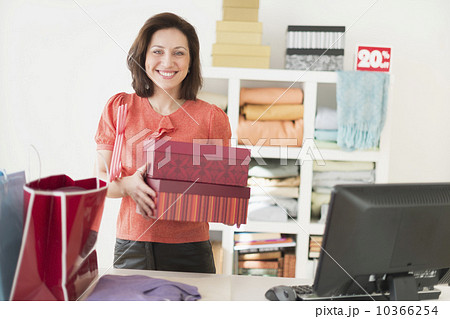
<point x="167" y="74"/>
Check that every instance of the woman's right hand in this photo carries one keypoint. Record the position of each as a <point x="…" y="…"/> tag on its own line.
<point x="142" y="194"/>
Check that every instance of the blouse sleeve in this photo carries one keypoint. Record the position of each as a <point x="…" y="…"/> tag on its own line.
<point x="106" y="131"/>
<point x="219" y="126"/>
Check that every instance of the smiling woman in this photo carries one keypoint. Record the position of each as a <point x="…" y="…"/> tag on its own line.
<point x="152" y="34"/>
<point x="164" y="62"/>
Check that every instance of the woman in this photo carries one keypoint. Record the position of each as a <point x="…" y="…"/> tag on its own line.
<point x="164" y="62"/>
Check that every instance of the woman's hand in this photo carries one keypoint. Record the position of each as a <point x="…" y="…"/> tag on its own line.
<point x="142" y="194"/>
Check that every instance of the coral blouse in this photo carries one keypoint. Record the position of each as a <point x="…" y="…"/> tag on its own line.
<point x="195" y="120"/>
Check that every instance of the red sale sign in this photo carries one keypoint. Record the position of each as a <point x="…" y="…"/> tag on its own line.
<point x="373" y="59"/>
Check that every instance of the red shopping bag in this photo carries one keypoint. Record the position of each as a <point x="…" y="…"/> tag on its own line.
<point x="57" y="260"/>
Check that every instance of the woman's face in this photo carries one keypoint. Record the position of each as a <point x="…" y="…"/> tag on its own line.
<point x="167" y="59"/>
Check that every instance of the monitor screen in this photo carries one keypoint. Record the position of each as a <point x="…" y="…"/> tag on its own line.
<point x="377" y="236"/>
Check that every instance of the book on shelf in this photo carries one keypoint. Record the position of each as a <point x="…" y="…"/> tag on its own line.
<point x="289" y="266"/>
<point x="258" y="264"/>
<point x="267" y="255"/>
<point x="239" y="26"/>
<point x="252" y="236"/>
<point x="258" y="272"/>
<point x="315" y="244"/>
<point x="240" y="14"/>
<point x="241" y="3"/>
<point x="314" y="254"/>
<point x="284" y="240"/>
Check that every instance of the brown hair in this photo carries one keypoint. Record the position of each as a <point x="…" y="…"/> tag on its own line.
<point x="136" y="56"/>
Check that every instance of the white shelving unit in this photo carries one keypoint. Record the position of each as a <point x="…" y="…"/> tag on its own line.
<point x="302" y="227"/>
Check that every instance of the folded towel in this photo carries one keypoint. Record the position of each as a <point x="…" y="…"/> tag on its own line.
<point x="287" y="203"/>
<point x="326" y="135"/>
<point x="271" y="96"/>
<point x="269" y="208"/>
<point x="361" y="107"/>
<point x="326" y="118"/>
<point x="363" y="176"/>
<point x="291" y="192"/>
<point x="270" y="133"/>
<point x="267" y="112"/>
<point x="266" y="213"/>
<point x="343" y="166"/>
<point x="273" y="168"/>
<point x="276" y="182"/>
<point x="326" y="145"/>
<point x="317" y="200"/>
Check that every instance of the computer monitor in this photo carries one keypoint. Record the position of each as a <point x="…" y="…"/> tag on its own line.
<point x="378" y="236"/>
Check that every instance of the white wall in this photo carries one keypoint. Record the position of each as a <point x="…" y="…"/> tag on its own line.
<point x="58" y="68"/>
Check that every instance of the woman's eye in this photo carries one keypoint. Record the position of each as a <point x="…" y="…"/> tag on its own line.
<point x="179" y="53"/>
<point x="157" y="52"/>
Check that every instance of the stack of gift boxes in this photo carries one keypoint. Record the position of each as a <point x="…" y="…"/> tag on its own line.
<point x="198" y="182"/>
<point x="315" y="48"/>
<point x="239" y="35"/>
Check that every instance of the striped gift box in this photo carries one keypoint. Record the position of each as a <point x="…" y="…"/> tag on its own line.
<point x="200" y="202"/>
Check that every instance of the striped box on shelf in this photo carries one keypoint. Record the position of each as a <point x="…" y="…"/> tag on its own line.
<point x="315" y="48"/>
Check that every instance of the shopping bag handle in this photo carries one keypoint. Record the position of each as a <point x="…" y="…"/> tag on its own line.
<point x="39" y="160"/>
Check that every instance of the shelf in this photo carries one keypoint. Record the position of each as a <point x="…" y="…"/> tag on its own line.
<point x="236" y="78"/>
<point x="269" y="75"/>
<point x="290" y="227"/>
<point x="273" y="151"/>
<point x="296" y="153"/>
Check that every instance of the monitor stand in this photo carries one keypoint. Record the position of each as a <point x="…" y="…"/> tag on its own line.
<point x="402" y="287"/>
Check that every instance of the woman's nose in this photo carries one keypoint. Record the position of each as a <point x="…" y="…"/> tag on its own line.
<point x="167" y="60"/>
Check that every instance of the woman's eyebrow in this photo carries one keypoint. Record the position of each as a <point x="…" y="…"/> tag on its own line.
<point x="163" y="47"/>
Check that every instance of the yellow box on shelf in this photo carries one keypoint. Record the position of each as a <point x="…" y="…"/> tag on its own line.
<point x="240" y="49"/>
<point x="239" y="26"/>
<point x="240" y="14"/>
<point x="238" y="38"/>
<point x="241" y="3"/>
<point x="241" y="61"/>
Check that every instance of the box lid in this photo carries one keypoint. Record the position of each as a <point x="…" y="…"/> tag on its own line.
<point x="171" y="186"/>
<point x="209" y="151"/>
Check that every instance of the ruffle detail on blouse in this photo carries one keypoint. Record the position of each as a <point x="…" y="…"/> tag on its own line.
<point x="165" y="127"/>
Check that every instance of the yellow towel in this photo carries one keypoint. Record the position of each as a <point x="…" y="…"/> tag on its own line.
<point x="270" y="133"/>
<point x="283" y="112"/>
<point x="271" y="96"/>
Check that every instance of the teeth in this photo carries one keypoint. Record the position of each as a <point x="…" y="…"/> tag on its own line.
<point x="166" y="73"/>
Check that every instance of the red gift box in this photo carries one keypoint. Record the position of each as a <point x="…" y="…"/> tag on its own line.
<point x="199" y="202"/>
<point x="204" y="163"/>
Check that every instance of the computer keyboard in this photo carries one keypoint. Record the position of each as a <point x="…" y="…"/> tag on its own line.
<point x="306" y="293"/>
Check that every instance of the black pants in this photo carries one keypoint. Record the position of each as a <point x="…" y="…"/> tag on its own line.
<point x="188" y="257"/>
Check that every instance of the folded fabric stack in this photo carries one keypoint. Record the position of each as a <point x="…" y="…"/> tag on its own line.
<point x="274" y="190"/>
<point x="326" y="125"/>
<point x="271" y="117"/>
<point x="325" y="177"/>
